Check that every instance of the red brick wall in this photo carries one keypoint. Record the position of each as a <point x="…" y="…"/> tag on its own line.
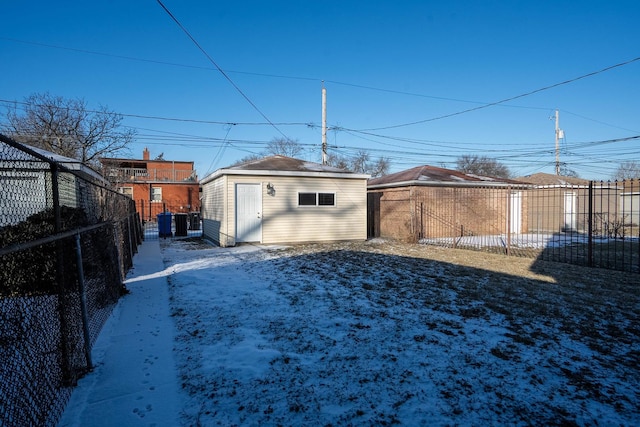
<point x="175" y="198"/>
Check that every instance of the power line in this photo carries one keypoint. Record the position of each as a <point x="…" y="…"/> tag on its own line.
<point x="226" y="76"/>
<point x="174" y="119"/>
<point x="155" y="61"/>
<point x="508" y="99"/>
<point x="281" y="76"/>
<point x="452" y="146"/>
<point x="420" y="95"/>
<point x="253" y="73"/>
<point x="598" y="121"/>
<point x="220" y="152"/>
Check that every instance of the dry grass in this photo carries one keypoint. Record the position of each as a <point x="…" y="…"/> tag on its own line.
<point x="407" y="333"/>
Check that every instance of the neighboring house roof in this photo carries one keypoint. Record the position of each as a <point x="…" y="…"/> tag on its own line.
<point x="284" y="166"/>
<point x="547" y="179"/>
<point x="430" y="175"/>
<point x="71" y="164"/>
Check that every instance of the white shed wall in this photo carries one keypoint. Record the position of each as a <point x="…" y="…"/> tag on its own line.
<point x="213" y="211"/>
<point x="283" y="221"/>
<point x="286" y="222"/>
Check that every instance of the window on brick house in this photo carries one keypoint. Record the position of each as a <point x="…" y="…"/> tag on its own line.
<point x="156" y="194"/>
<point x="127" y="191"/>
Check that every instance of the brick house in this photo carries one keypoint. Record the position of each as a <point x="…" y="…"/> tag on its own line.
<point x="156" y="185"/>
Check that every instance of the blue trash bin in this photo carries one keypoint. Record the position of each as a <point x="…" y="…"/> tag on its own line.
<point x="164" y="224"/>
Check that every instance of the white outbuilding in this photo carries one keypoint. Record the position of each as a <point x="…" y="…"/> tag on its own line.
<point x="280" y="199"/>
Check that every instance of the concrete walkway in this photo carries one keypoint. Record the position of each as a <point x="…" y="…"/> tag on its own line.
<point x="134" y="382"/>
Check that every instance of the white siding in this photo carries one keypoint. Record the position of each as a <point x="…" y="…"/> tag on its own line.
<point x="213" y="211"/>
<point x="283" y="221"/>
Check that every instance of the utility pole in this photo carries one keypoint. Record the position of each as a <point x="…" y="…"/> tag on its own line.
<point x="324" y="124"/>
<point x="559" y="134"/>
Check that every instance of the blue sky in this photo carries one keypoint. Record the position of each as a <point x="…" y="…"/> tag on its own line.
<point x="384" y="64"/>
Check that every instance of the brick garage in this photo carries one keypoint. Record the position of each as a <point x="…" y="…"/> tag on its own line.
<point x="431" y="202"/>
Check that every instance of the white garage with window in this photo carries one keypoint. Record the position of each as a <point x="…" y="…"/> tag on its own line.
<point x="279" y="199"/>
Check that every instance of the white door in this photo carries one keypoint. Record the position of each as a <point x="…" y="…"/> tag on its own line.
<point x="570" y="213"/>
<point x="516" y="212"/>
<point x="248" y="212"/>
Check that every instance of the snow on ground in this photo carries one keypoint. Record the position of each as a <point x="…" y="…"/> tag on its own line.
<point x="357" y="334"/>
<point x="528" y="240"/>
<point x="134" y="381"/>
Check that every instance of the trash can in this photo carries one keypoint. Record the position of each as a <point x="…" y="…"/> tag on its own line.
<point x="164" y="224"/>
<point x="181" y="224"/>
<point x="194" y="219"/>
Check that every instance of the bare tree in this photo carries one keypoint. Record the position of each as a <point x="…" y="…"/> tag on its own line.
<point x="67" y="127"/>
<point x="627" y="170"/>
<point x="338" y="161"/>
<point x="284" y="147"/>
<point x="482" y="165"/>
<point x="566" y="171"/>
<point x="361" y="163"/>
<point x="380" y="167"/>
<point x="248" y="158"/>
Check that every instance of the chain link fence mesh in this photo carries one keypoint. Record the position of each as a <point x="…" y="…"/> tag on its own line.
<point x="66" y="241"/>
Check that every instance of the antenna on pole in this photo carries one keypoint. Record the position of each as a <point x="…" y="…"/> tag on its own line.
<point x="324" y="124"/>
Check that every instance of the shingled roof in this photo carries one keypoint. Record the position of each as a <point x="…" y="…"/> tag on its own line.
<point x="283" y="163"/>
<point x="284" y="166"/>
<point x="550" y="179"/>
<point x="431" y="175"/>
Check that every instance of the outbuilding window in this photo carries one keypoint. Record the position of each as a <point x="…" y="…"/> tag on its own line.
<point x="326" y="199"/>
<point x="316" y="199"/>
<point x="306" y="199"/>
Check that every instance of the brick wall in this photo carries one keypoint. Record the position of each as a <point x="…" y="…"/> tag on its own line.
<point x="176" y="198"/>
<point x="412" y="213"/>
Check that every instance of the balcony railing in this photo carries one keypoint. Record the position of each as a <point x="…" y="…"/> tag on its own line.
<point x="139" y="174"/>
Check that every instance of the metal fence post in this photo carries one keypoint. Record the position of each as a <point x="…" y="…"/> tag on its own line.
<point x="590" y="227"/>
<point x="60" y="277"/>
<point x="509" y="220"/>
<point x="117" y="241"/>
<point x="130" y="239"/>
<point x="83" y="304"/>
<point x="637" y="181"/>
<point x="455" y="218"/>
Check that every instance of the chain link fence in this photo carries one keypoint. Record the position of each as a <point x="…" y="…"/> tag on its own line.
<point x="66" y="242"/>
